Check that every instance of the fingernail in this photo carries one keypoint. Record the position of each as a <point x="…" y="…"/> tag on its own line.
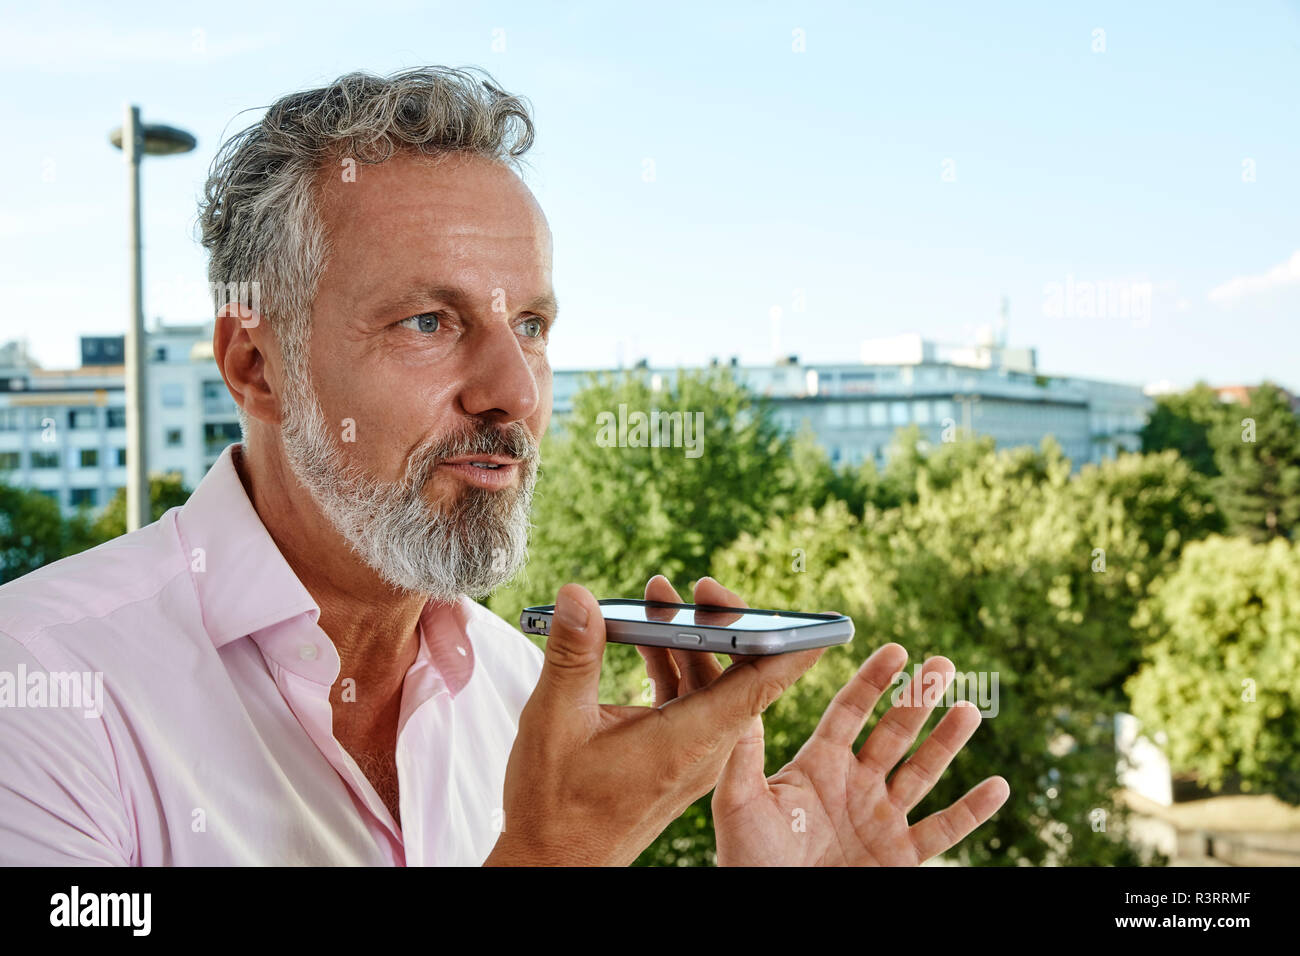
<point x="571" y="613"/>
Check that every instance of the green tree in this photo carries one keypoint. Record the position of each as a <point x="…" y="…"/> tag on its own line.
<point x="165" y="492"/>
<point x="813" y="481"/>
<point x="610" y="512"/>
<point x="1257" y="450"/>
<point x="1182" y="421"/>
<point x="1157" y="503"/>
<point x="1220" y="672"/>
<point x="31" y="531"/>
<point x="995" y="571"/>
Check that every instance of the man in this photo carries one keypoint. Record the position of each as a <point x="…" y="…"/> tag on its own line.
<point x="294" y="670"/>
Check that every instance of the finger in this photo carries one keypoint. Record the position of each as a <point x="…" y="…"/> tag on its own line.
<point x="575" y="648"/>
<point x="921" y="771"/>
<point x="897" y="730"/>
<point x="852" y="705"/>
<point x="694" y="669"/>
<point x="743" y="777"/>
<point x="708" y="591"/>
<point x="945" y="829"/>
<point x="660" y="667"/>
<point x="701" y="668"/>
<point x="743" y="691"/>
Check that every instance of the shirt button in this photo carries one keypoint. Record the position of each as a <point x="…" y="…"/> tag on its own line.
<point x="307" y="652"/>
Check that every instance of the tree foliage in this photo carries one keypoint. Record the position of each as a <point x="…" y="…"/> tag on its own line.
<point x="34" y="532"/>
<point x="1182" y="421"/>
<point x="1221" y="664"/>
<point x="1257" y="451"/>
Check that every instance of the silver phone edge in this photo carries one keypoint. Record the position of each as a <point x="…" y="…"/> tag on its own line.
<point x="647" y="634"/>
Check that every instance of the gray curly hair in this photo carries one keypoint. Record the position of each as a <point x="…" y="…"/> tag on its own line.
<point x="259" y="216"/>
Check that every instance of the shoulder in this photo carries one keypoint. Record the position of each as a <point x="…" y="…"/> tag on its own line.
<point x="95" y="584"/>
<point x="60" y="797"/>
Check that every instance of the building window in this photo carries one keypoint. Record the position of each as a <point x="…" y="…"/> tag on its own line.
<point x="121" y="457"/>
<point x="217" y="399"/>
<point x="173" y="437"/>
<point x="942" y="410"/>
<point x="173" y="395"/>
<point x="921" y="412"/>
<point x="898" y="413"/>
<point x="11" y="419"/>
<point x="116" y="417"/>
<point x="160" y="353"/>
<point x="45" y="459"/>
<point x="857" y="415"/>
<point x="51" y="493"/>
<point x="82" y="418"/>
<point x="835" y="415"/>
<point x="217" y="435"/>
<point x="89" y="457"/>
<point x="83" y="496"/>
<point x="9" y="460"/>
<point x="878" y="414"/>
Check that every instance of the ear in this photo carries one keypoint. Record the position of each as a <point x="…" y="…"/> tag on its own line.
<point x="246" y="353"/>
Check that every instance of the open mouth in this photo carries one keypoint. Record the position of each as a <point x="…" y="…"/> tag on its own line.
<point x="489" y="472"/>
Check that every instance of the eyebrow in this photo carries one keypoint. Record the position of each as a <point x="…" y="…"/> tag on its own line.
<point x="453" y="295"/>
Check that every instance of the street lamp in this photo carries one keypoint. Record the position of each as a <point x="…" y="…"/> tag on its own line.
<point x="137" y="139"/>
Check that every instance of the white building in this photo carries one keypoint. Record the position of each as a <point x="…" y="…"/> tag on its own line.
<point x="63" y="432"/>
<point x="988" y="389"/>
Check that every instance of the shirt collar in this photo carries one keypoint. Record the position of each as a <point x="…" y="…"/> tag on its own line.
<point x="245" y="585"/>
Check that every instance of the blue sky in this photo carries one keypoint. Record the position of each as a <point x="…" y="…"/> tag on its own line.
<point x="912" y="165"/>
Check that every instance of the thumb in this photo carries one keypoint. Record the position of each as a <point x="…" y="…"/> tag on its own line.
<point x="742" y="776"/>
<point x="575" y="649"/>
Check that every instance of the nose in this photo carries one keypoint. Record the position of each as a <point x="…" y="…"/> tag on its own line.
<point x="500" y="383"/>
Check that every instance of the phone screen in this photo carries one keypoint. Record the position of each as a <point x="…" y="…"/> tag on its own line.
<point x="743" y="619"/>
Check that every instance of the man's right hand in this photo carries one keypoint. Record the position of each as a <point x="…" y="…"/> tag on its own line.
<point x="593" y="784"/>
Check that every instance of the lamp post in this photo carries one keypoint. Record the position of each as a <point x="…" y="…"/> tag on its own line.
<point x="137" y="139"/>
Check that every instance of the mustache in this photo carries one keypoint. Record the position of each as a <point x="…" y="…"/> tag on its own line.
<point x="514" y="441"/>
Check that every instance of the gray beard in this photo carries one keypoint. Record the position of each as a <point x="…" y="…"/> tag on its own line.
<point x="472" y="547"/>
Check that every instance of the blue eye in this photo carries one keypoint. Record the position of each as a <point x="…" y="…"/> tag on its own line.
<point x="538" y="323"/>
<point x="424" y="322"/>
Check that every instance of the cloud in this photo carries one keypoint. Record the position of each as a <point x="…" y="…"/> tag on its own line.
<point x="1240" y="286"/>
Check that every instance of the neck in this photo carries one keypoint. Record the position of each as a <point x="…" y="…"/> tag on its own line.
<point x="372" y="624"/>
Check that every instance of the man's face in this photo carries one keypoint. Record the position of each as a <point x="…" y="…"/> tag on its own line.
<point x="428" y="343"/>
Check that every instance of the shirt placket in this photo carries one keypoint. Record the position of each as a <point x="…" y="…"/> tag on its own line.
<point x="305" y="665"/>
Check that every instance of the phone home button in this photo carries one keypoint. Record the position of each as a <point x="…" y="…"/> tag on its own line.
<point x="687" y="639"/>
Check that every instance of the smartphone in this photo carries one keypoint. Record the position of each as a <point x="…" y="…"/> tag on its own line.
<point x="705" y="627"/>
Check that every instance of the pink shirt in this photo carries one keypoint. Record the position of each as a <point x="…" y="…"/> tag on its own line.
<point x="215" y="742"/>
